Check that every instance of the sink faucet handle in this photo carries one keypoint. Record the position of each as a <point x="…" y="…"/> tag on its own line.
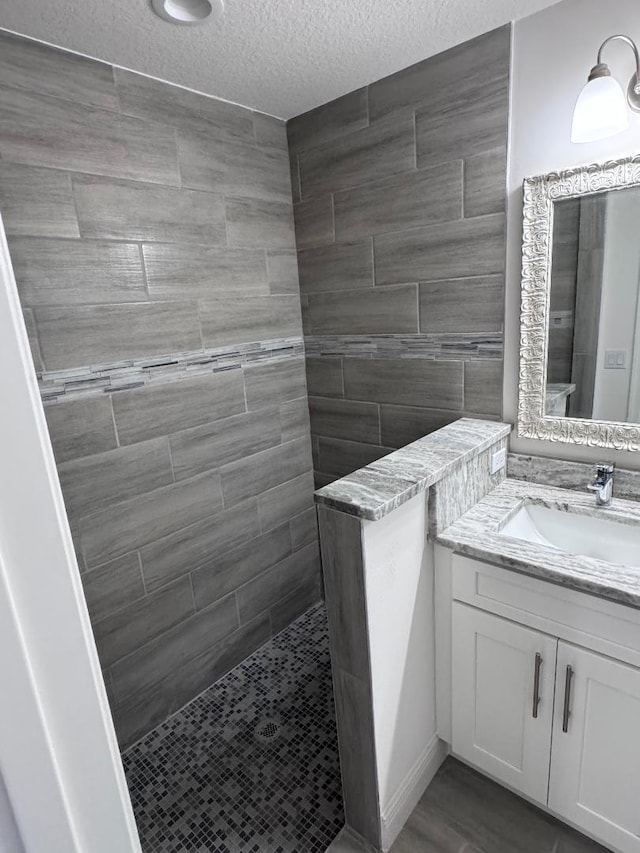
<point x="605" y="471"/>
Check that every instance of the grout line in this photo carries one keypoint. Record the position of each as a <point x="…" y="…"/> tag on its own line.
<point x="144" y="271"/>
<point x="144" y="583"/>
<point x="173" y="472"/>
<point x="113" y="420"/>
<point x="193" y="595"/>
<point x="415" y="140"/>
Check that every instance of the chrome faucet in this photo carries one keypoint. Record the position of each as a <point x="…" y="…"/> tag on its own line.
<point x="603" y="484"/>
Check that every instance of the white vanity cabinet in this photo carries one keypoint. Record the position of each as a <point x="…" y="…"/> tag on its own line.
<point x="494" y="725"/>
<point x="539" y="687"/>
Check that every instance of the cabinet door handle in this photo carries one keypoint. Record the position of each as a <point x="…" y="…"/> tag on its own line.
<point x="567" y="699"/>
<point x="536" y="684"/>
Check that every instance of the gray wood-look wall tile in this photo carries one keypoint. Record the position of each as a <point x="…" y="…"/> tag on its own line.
<point x="468" y="247"/>
<point x="294" y="172"/>
<point x="113" y="586"/>
<point x="144" y="97"/>
<point x="132" y="210"/>
<point x="261" y="223"/>
<point x="400" y="425"/>
<point x="404" y="201"/>
<point x="80" y="427"/>
<point x="329" y="121"/>
<point x="270" y="131"/>
<point x="144" y="413"/>
<point x="43" y="131"/>
<point x="32" y="334"/>
<point x="232" y="168"/>
<point x="262" y="471"/>
<point x="91" y="334"/>
<point x="269" y="384"/>
<point x="294" y="419"/>
<point x="181" y="271"/>
<point x="141" y="712"/>
<point x="254" y="556"/>
<point x="235" y="320"/>
<point x="336" y="456"/>
<point x="143" y="620"/>
<point x="304" y="528"/>
<point x="284" y="612"/>
<point x="26" y="64"/>
<point x="472" y="127"/>
<point x="346" y="419"/>
<point x="356" y="738"/>
<point x="197" y="545"/>
<point x="73" y="272"/>
<point x="340" y="266"/>
<point x="222" y="442"/>
<point x="137" y="521"/>
<point x="343" y="571"/>
<point x="485" y="182"/>
<point x="95" y="481"/>
<point x="278" y="582"/>
<point x="483" y="387"/>
<point x="144" y="668"/>
<point x="36" y="201"/>
<point x="384" y="149"/>
<point x="462" y="305"/>
<point x="417" y="382"/>
<point x="314" y="222"/>
<point x="450" y="77"/>
<point x="282" y="270"/>
<point x="376" y="311"/>
<point x="276" y="506"/>
<point x="324" y="376"/>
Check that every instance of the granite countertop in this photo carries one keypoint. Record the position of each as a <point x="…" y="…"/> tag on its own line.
<point x="475" y="534"/>
<point x="377" y="489"/>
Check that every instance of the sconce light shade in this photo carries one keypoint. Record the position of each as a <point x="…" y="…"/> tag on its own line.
<point x="600" y="111"/>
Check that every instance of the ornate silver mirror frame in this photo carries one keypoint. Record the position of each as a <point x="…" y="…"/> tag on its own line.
<point x="540" y="193"/>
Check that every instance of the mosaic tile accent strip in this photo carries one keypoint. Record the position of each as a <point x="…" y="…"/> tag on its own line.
<point x="99" y="379"/>
<point x="432" y="346"/>
<point x="252" y="763"/>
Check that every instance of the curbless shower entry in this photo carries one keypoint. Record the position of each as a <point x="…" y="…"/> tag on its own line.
<point x="250" y="764"/>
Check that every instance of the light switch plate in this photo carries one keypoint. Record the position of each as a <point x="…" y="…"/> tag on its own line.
<point x="615" y="359"/>
<point x="498" y="460"/>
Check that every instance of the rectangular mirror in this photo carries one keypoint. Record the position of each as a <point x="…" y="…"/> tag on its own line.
<point x="580" y="313"/>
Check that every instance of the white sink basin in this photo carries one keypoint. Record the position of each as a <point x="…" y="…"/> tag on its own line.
<point x="582" y="535"/>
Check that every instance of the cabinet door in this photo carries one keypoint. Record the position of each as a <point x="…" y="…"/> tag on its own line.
<point x="494" y="724"/>
<point x="595" y="760"/>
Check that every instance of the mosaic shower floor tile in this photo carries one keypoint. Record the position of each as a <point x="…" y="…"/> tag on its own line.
<point x="252" y="763"/>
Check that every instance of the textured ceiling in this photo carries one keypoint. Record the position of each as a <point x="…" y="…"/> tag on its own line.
<point x="282" y="57"/>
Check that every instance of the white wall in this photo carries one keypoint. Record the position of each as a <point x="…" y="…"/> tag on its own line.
<point x="553" y="52"/>
<point x="619" y="305"/>
<point x="399" y="588"/>
<point x="58" y="751"/>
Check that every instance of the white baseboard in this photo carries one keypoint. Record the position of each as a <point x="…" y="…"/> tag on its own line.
<point x="411" y="790"/>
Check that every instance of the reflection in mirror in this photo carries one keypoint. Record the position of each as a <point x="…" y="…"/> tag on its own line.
<point x="593" y="362"/>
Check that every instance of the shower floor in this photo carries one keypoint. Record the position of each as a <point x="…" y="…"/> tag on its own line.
<point x="252" y="763"/>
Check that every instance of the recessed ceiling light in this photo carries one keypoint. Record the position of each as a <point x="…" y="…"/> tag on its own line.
<point x="187" y="11"/>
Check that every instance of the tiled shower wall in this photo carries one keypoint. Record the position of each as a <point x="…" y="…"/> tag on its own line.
<point x="151" y="232"/>
<point x="400" y="197"/>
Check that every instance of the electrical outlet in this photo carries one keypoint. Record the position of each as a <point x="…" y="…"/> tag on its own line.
<point x="498" y="460"/>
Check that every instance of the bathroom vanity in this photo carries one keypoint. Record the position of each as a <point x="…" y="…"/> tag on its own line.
<point x="538" y="657"/>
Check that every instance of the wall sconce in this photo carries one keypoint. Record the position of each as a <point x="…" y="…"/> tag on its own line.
<point x="601" y="108"/>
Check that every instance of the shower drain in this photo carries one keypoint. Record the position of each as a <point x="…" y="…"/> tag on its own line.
<point x="267" y="731"/>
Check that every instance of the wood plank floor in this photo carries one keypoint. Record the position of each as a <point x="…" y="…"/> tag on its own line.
<point x="464" y="812"/>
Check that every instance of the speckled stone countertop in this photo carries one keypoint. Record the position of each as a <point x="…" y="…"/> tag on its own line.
<point x="384" y="485"/>
<point x="476" y="534"/>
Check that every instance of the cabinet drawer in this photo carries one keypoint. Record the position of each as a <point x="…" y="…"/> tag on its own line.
<point x="585" y="620"/>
